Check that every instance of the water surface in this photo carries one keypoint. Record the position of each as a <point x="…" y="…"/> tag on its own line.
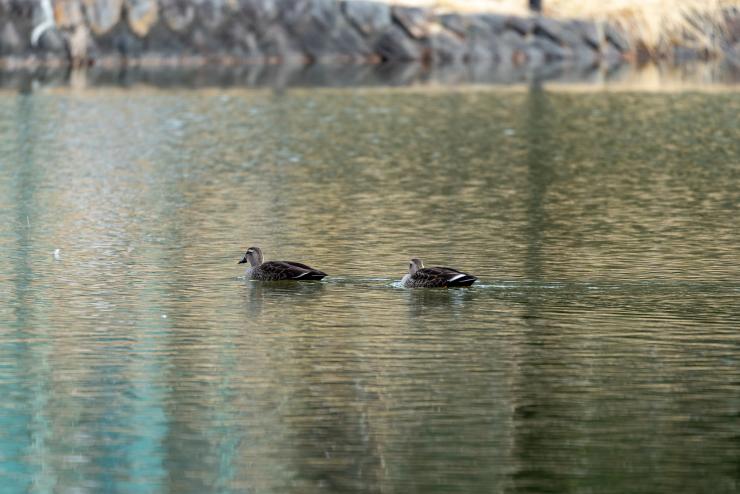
<point x="599" y="352"/>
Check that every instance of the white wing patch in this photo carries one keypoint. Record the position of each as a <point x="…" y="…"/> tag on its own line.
<point x="458" y="276"/>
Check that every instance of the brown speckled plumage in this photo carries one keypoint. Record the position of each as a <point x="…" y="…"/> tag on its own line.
<point x="277" y="270"/>
<point x="435" y="277"/>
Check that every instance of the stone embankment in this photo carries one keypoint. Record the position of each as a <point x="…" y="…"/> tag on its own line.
<point x="153" y="33"/>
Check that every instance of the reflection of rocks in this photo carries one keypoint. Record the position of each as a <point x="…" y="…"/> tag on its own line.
<point x="282" y="76"/>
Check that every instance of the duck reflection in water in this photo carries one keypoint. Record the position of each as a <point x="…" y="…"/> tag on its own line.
<point x="442" y="302"/>
<point x="285" y="299"/>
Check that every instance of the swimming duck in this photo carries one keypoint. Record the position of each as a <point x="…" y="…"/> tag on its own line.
<point x="436" y="277"/>
<point x="277" y="270"/>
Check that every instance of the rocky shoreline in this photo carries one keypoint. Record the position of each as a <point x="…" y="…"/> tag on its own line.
<point x="191" y="33"/>
<point x="233" y="32"/>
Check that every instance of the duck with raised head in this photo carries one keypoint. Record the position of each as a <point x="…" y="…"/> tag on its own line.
<point x="435" y="277"/>
<point x="277" y="270"/>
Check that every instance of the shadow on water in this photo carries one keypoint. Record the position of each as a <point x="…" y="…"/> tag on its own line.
<point x="428" y="302"/>
<point x="288" y="295"/>
<point x="532" y="412"/>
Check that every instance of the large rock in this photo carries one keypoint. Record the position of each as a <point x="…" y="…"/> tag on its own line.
<point x="456" y="23"/>
<point x="323" y="33"/>
<point x="556" y="31"/>
<point x="322" y="13"/>
<point x="588" y="31"/>
<point x="178" y="15"/>
<point x="243" y="42"/>
<point x="68" y="13"/>
<point x="121" y="42"/>
<point x="611" y="55"/>
<point x="277" y="45"/>
<point x="259" y="14"/>
<point x="52" y="42"/>
<point x="522" y="25"/>
<point x="585" y="55"/>
<point x="447" y="47"/>
<point x="17" y="9"/>
<point x="683" y="54"/>
<point x="162" y="40"/>
<point x="396" y="45"/>
<point x="616" y="38"/>
<point x="102" y="15"/>
<point x="733" y="54"/>
<point x="551" y="50"/>
<point x="10" y="41"/>
<point x="369" y="18"/>
<point x="414" y="20"/>
<point x="79" y="43"/>
<point x="212" y="15"/>
<point x="499" y="23"/>
<point x="141" y="15"/>
<point x="511" y="48"/>
<point x="534" y="55"/>
<point x="732" y="24"/>
<point x="481" y="40"/>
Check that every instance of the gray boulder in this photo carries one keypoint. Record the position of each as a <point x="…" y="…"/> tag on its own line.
<point x="395" y="45"/>
<point x="178" y="15"/>
<point x="10" y="41"/>
<point x="102" y="15"/>
<point x="370" y="18"/>
<point x="448" y="47"/>
<point x="415" y="21"/>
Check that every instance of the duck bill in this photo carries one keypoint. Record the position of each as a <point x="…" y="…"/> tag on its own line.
<point x="244" y="259"/>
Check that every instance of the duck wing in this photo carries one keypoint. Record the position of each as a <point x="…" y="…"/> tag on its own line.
<point x="440" y="276"/>
<point x="288" y="270"/>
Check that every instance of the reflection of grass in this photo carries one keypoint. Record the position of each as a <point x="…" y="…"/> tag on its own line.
<point x="656" y="24"/>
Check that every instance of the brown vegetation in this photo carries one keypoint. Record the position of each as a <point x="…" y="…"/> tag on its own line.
<point x="654" y="25"/>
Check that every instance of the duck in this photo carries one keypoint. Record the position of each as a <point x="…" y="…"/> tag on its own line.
<point x="435" y="277"/>
<point x="277" y="270"/>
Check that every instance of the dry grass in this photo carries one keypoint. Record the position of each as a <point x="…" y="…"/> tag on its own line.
<point x="657" y="24"/>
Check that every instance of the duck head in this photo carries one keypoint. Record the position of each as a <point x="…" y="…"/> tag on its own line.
<point x="415" y="265"/>
<point x="253" y="256"/>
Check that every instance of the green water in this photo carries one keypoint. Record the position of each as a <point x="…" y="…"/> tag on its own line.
<point x="599" y="352"/>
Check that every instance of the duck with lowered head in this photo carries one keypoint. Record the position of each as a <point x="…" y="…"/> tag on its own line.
<point x="277" y="270"/>
<point x="435" y="277"/>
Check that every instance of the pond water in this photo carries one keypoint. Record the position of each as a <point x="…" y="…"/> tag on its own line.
<point x="599" y="352"/>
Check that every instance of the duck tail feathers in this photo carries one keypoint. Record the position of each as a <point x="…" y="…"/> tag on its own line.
<point x="462" y="279"/>
<point x="313" y="275"/>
